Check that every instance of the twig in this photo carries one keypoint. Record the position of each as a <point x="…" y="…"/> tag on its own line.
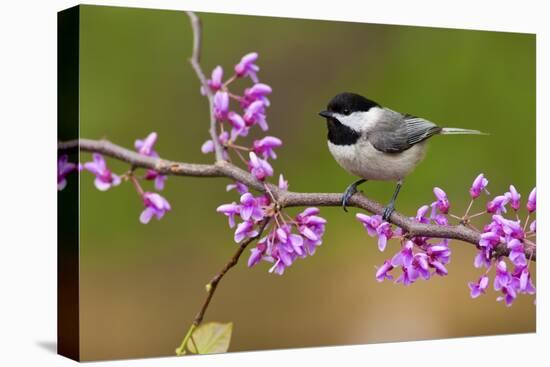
<point x="284" y="198"/>
<point x="213" y="285"/>
<point x="195" y="63"/>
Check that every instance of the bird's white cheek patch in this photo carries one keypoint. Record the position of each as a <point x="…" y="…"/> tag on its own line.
<point x="361" y="121"/>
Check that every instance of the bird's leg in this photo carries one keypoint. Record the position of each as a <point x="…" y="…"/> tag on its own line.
<point x="350" y="191"/>
<point x="391" y="206"/>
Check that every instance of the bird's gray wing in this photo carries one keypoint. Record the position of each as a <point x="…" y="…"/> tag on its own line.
<point x="400" y="133"/>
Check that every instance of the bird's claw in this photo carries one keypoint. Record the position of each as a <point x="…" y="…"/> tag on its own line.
<point x="347" y="195"/>
<point x="388" y="212"/>
<point x="350" y="191"/>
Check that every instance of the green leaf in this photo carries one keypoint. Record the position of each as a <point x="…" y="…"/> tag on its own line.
<point x="212" y="337"/>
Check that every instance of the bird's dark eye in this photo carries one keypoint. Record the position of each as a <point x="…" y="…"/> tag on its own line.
<point x="346" y="112"/>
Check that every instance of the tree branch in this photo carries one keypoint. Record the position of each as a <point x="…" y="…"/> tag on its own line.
<point x="213" y="285"/>
<point x="284" y="198"/>
<point x="195" y="63"/>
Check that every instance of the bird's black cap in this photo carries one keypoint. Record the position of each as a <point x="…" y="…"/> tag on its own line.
<point x="346" y="103"/>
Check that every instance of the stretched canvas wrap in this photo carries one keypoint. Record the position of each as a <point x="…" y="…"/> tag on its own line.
<point x="200" y="207"/>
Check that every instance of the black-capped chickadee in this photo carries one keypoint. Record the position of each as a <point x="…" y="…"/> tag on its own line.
<point x="376" y="143"/>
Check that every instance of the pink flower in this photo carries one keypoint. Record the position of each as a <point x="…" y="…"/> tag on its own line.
<point x="245" y="230"/>
<point x="215" y="83"/>
<point x="442" y="202"/>
<point x="483" y="258"/>
<point x="421" y="214"/>
<point x="509" y="295"/>
<point x="255" y="113"/>
<point x="311" y="227"/>
<point x="522" y="280"/>
<point x="256" y="254"/>
<point x="513" y="197"/>
<point x="510" y="228"/>
<point x="480" y="183"/>
<point x="208" y="146"/>
<point x="104" y="177"/>
<point x="476" y="289"/>
<point x="238" y="125"/>
<point x="384" y="234"/>
<point x="146" y="147"/>
<point x="282" y="246"/>
<point x="157" y="177"/>
<point x="382" y="272"/>
<point x="285" y="249"/>
<point x="246" y="67"/>
<point x="502" y="277"/>
<point x="257" y="92"/>
<point x="370" y="223"/>
<point x="266" y="145"/>
<point x="375" y="226"/>
<point x="441" y="219"/>
<point x="64" y="167"/>
<point x="260" y="168"/>
<point x="517" y="252"/>
<point x="239" y="186"/>
<point x="279" y="267"/>
<point x="283" y="184"/>
<point x="490" y="240"/>
<point x="292" y="242"/>
<point x="155" y="205"/>
<point x="221" y="105"/>
<point x="439" y="267"/>
<point x="250" y="208"/>
<point x="419" y="267"/>
<point x="497" y="205"/>
<point x="404" y="278"/>
<point x="405" y="256"/>
<point x="439" y="252"/>
<point x="230" y="210"/>
<point x="532" y="201"/>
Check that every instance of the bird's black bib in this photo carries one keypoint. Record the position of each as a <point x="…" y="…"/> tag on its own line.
<point x="339" y="134"/>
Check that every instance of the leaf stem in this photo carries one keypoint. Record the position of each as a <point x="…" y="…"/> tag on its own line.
<point x="134" y="180"/>
<point x="476" y="215"/>
<point x="468" y="209"/>
<point x="229" y="81"/>
<point x="181" y="349"/>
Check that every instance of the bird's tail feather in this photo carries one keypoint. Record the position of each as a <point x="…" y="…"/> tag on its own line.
<point x="456" y="131"/>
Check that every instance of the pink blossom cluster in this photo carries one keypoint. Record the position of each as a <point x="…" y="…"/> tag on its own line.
<point x="423" y="257"/>
<point x="252" y="104"/>
<point x="512" y="272"/>
<point x="146" y="147"/>
<point x="418" y="257"/>
<point x="288" y="238"/>
<point x="155" y="205"/>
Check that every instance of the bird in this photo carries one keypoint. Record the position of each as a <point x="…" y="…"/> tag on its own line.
<point x="376" y="143"/>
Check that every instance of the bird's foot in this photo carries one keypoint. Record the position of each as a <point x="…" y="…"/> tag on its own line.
<point x="388" y="211"/>
<point x="350" y="191"/>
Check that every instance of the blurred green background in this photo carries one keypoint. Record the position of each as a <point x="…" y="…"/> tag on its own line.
<point x="141" y="285"/>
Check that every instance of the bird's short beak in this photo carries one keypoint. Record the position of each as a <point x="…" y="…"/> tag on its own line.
<point x="326" y="114"/>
